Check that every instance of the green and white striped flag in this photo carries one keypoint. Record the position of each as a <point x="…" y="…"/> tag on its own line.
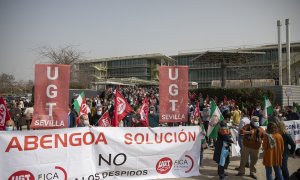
<point x="77" y="103"/>
<point x="268" y="110"/>
<point x="215" y="117"/>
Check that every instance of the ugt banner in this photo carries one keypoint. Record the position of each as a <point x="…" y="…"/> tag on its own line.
<point x="173" y="93"/>
<point x="100" y="153"/>
<point x="51" y="96"/>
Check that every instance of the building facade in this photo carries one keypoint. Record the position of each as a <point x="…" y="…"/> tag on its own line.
<point x="242" y="67"/>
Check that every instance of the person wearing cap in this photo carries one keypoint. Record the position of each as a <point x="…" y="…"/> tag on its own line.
<point x="252" y="139"/>
<point x="223" y="143"/>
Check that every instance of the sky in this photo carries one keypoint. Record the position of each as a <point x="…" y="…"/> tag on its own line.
<point x="101" y="29"/>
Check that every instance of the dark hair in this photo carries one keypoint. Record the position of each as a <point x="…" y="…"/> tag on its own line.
<point x="226" y="114"/>
<point x="271" y="128"/>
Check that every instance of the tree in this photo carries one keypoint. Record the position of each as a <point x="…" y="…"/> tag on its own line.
<point x="7" y="82"/>
<point x="64" y="55"/>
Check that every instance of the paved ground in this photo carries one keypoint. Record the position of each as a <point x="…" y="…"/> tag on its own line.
<point x="209" y="170"/>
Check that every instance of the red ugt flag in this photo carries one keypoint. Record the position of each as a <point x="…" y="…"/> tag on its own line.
<point x="4" y="114"/>
<point x="197" y="110"/>
<point x="144" y="113"/>
<point x="104" y="121"/>
<point x="83" y="110"/>
<point x="121" y="109"/>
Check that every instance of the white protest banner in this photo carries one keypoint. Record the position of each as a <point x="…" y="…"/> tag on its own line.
<point x="100" y="153"/>
<point x="293" y="128"/>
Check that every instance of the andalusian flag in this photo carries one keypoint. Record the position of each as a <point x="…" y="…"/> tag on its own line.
<point x="77" y="103"/>
<point x="215" y="117"/>
<point x="268" y="110"/>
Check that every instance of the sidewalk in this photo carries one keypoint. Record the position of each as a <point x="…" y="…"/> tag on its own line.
<point x="209" y="170"/>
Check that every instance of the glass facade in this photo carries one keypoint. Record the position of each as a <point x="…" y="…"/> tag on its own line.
<point x="204" y="71"/>
<point x="126" y="68"/>
<point x="240" y="64"/>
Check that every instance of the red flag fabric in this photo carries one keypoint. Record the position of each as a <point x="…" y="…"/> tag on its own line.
<point x="83" y="110"/>
<point x="197" y="110"/>
<point x="4" y="114"/>
<point x="121" y="109"/>
<point x="104" y="121"/>
<point x="144" y="113"/>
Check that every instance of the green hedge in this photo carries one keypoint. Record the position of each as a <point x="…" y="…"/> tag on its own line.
<point x="244" y="97"/>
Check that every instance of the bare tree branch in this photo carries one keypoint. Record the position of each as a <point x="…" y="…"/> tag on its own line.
<point x="64" y="55"/>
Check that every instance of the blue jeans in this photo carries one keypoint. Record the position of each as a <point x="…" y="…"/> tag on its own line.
<point x="284" y="167"/>
<point x="277" y="171"/>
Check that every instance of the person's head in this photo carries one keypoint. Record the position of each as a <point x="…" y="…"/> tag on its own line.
<point x="245" y="112"/>
<point x="226" y="114"/>
<point x="281" y="127"/>
<point x="258" y="108"/>
<point x="136" y="118"/>
<point x="9" y="125"/>
<point x="151" y="109"/>
<point x="289" y="109"/>
<point x="271" y="128"/>
<point x="84" y="120"/>
<point x="99" y="110"/>
<point x="255" y="121"/>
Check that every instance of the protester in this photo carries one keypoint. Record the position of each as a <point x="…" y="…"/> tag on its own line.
<point x="136" y="120"/>
<point x="273" y="147"/>
<point x="84" y="121"/>
<point x="28" y="115"/>
<point x="10" y="125"/>
<point x="236" y="116"/>
<point x="288" y="142"/>
<point x="222" y="146"/>
<point x="252" y="139"/>
<point x="97" y="116"/>
<point x="258" y="112"/>
<point x="16" y="115"/>
<point x="153" y="117"/>
<point x="204" y="144"/>
<point x="205" y="117"/>
<point x="291" y="115"/>
<point x="244" y="121"/>
<point x="71" y="117"/>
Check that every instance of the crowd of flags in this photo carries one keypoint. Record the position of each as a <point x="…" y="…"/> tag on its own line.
<point x="122" y="108"/>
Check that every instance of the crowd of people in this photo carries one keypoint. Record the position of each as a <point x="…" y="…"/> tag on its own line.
<point x="274" y="140"/>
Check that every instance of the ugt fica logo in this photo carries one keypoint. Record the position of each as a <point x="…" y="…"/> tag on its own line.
<point x="164" y="165"/>
<point x="57" y="173"/>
